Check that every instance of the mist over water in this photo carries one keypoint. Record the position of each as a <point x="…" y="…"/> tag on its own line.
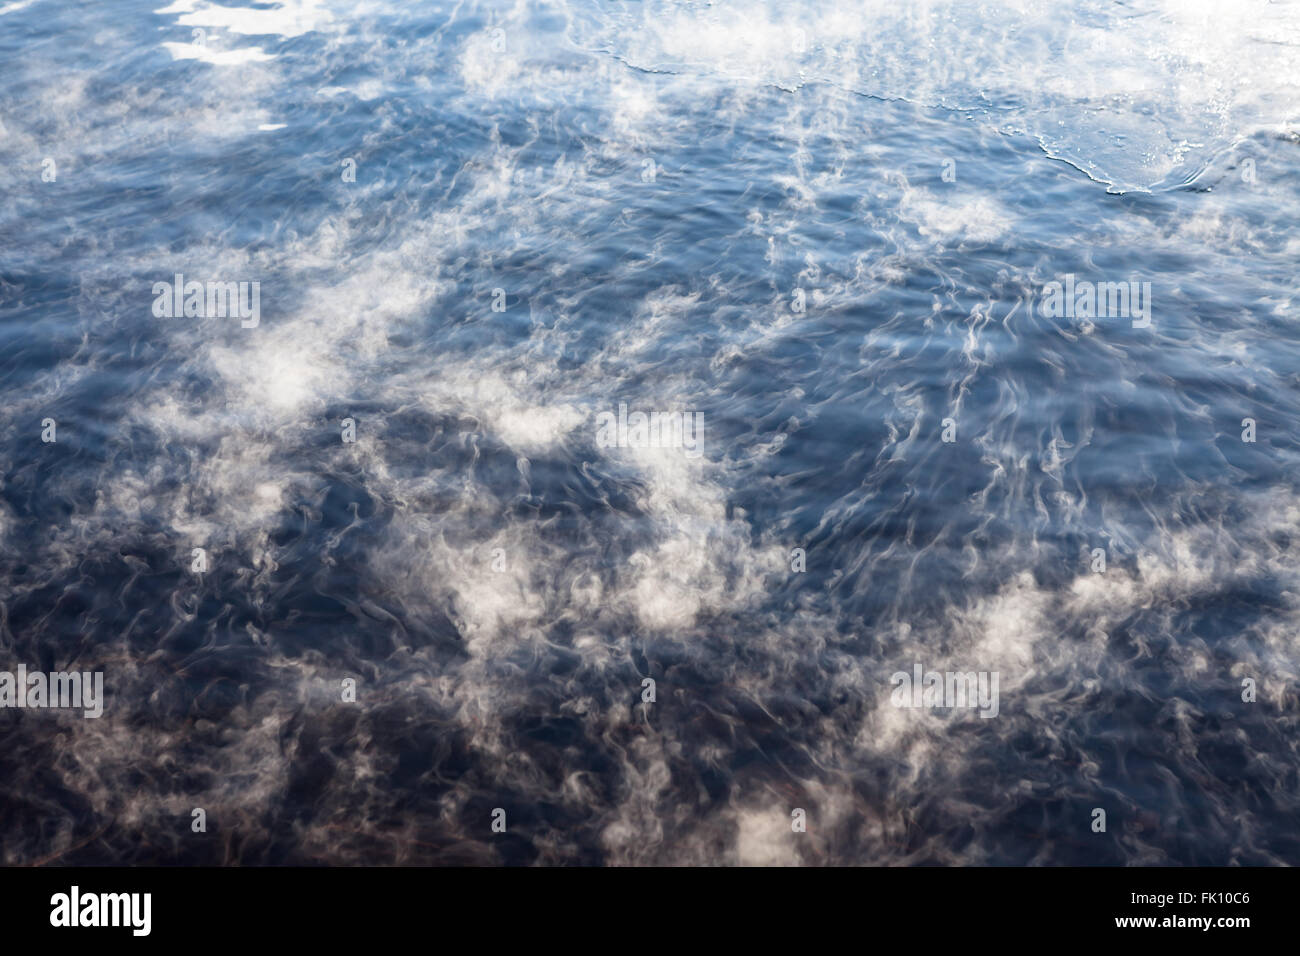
<point x="825" y="228"/>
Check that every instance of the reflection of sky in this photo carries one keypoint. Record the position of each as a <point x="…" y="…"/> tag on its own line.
<point x="1133" y="94"/>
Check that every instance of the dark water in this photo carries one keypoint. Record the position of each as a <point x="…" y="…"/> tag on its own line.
<point x="826" y="228"/>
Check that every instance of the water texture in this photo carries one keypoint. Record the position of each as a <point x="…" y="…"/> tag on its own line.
<point x="477" y="229"/>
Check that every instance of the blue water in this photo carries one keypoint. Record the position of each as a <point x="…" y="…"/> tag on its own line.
<point x="827" y="227"/>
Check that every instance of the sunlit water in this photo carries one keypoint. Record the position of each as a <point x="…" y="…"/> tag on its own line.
<point x="824" y="226"/>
